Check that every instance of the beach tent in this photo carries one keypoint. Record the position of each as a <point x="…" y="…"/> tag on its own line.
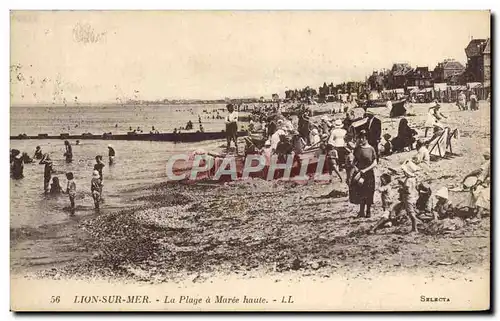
<point x="457" y="88"/>
<point x="473" y="85"/>
<point x="342" y="97"/>
<point x="399" y="93"/>
<point x="440" y="86"/>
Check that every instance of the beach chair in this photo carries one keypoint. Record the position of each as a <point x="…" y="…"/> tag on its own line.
<point x="439" y="144"/>
<point x="455" y="134"/>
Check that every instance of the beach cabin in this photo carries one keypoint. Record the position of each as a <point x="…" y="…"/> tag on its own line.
<point x="330" y="98"/>
<point x="342" y="97"/>
<point x="477" y="89"/>
<point x="373" y="95"/>
<point x="399" y="93"/>
<point x="453" y="91"/>
<point x="440" y="91"/>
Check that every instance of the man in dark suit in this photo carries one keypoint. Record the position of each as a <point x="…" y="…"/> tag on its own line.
<point x="374" y="131"/>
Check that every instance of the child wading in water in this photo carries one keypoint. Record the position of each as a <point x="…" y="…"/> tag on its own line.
<point x="55" y="187"/>
<point x="47" y="172"/>
<point x="99" y="165"/>
<point x="71" y="190"/>
<point x="96" y="188"/>
<point x="408" y="197"/>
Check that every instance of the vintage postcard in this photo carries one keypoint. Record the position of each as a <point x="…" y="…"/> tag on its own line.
<point x="250" y="160"/>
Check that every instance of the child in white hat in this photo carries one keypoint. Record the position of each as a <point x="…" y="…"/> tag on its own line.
<point x="408" y="197"/>
<point x="443" y="208"/>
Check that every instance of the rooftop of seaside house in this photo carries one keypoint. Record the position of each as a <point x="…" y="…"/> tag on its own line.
<point x="477" y="47"/>
<point x="401" y="69"/>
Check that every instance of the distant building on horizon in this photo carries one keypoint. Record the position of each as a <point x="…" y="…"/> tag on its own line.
<point x="478" y="67"/>
<point x="377" y="81"/>
<point x="447" y="69"/>
<point x="398" y="76"/>
<point x="420" y="77"/>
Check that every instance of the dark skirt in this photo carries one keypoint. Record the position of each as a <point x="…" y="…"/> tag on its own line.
<point x="399" y="143"/>
<point x="362" y="193"/>
<point x="341" y="153"/>
<point x="231" y="129"/>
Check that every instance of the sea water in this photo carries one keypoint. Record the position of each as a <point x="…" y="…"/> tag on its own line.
<point x="41" y="227"/>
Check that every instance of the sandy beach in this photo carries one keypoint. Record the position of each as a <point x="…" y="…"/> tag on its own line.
<point x="254" y="227"/>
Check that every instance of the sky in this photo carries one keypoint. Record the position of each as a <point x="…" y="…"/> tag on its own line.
<point x="112" y="56"/>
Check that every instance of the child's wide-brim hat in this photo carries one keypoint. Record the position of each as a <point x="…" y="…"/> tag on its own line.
<point x="470" y="181"/>
<point x="409" y="168"/>
<point x="338" y="123"/>
<point x="95" y="174"/>
<point x="442" y="192"/>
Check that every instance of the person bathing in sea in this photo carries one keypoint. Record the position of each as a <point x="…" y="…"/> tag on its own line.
<point x="71" y="190"/>
<point x="96" y="188"/>
<point x="17" y="164"/>
<point x="111" y="154"/>
<point x="99" y="166"/>
<point x="69" y="152"/>
<point x="38" y="153"/>
<point x="47" y="173"/>
<point x="55" y="187"/>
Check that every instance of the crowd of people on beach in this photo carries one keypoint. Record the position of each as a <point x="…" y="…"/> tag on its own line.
<point x="51" y="182"/>
<point x="352" y="141"/>
<point x="356" y="144"/>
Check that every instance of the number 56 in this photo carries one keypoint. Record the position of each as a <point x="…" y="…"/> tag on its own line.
<point x="55" y="299"/>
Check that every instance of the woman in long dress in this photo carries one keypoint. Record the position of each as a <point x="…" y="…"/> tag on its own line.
<point x="362" y="185"/>
<point x="405" y="138"/>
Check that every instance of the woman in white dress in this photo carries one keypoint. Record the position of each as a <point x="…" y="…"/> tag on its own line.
<point x="433" y="117"/>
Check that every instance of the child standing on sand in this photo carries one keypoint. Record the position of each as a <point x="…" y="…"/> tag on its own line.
<point x="386" y="192"/>
<point x="96" y="188"/>
<point x="349" y="162"/>
<point x="407" y="196"/>
<point x="424" y="203"/>
<point x="71" y="190"/>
